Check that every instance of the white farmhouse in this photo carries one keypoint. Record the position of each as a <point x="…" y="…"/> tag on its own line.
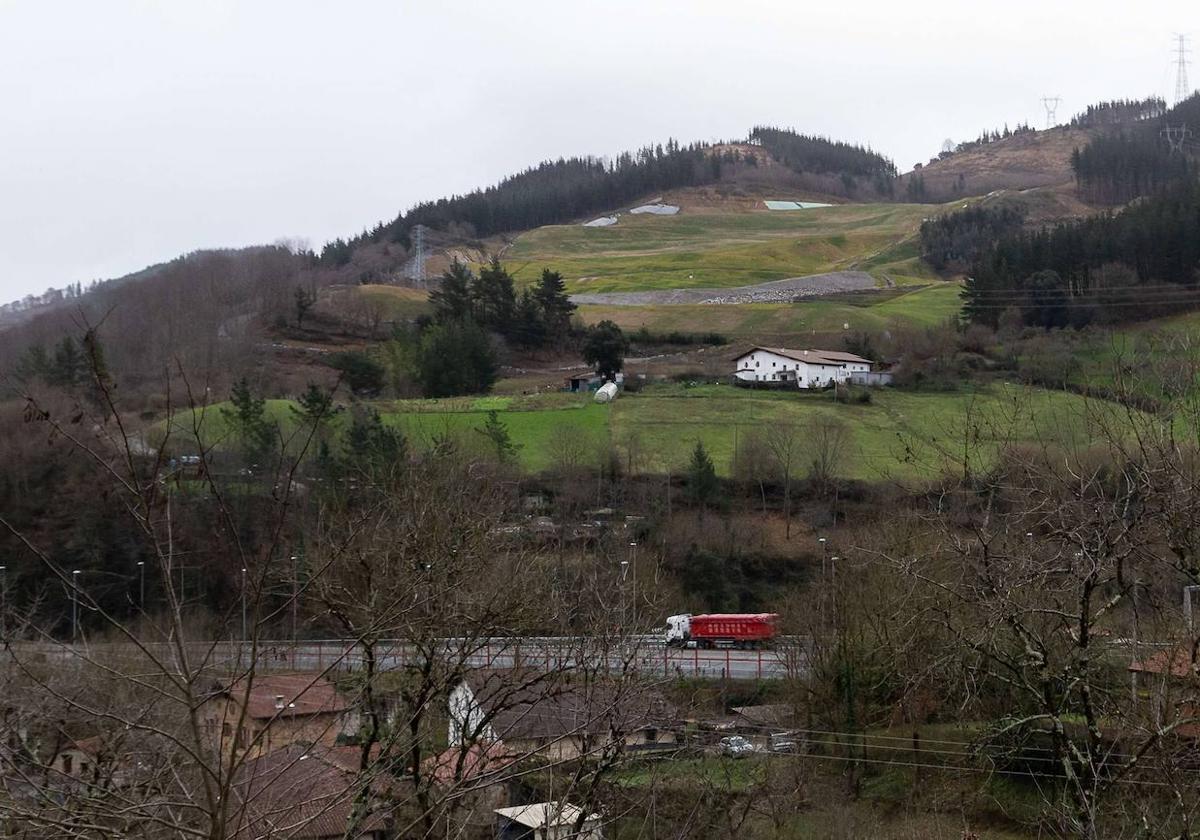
<point x="779" y="366"/>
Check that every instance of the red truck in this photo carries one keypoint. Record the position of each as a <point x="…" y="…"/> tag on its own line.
<point x="721" y="630"/>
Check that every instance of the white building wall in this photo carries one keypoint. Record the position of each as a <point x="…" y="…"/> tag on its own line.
<point x="765" y="366"/>
<point x="466" y="718"/>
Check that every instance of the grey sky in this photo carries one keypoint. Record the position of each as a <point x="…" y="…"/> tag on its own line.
<point x="136" y="131"/>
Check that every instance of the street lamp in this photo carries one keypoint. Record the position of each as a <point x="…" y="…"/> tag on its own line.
<point x="142" y="585"/>
<point x="3" y="599"/>
<point x="74" y="605"/>
<point x="833" y="583"/>
<point x="634" y="547"/>
<point x="824" y="575"/>
<point x="295" y="600"/>
<point x="243" y="605"/>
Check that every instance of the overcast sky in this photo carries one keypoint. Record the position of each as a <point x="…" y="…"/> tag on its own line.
<point x="136" y="131"/>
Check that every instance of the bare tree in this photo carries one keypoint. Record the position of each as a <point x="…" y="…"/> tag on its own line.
<point x="785" y="443"/>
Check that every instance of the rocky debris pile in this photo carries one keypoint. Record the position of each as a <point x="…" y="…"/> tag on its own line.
<point x="774" y="291"/>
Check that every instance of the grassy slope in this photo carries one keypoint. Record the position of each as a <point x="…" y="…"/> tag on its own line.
<point x="1136" y="357"/>
<point x="777" y="321"/>
<point x="723" y="247"/>
<point x="900" y="434"/>
<point x="719" y="250"/>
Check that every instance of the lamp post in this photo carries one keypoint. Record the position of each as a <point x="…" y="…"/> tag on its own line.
<point x="142" y="585"/>
<point x="74" y="605"/>
<point x="295" y="598"/>
<point x="824" y="575"/>
<point x="633" y="569"/>
<point x="833" y="585"/>
<point x="624" y="595"/>
<point x="3" y="599"/>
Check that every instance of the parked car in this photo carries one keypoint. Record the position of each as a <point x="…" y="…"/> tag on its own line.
<point x="735" y="746"/>
<point x="784" y="742"/>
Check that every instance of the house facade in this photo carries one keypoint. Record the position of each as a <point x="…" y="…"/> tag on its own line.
<point x="277" y="710"/>
<point x="781" y="367"/>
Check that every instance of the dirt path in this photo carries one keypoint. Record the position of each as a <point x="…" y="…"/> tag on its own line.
<point x="775" y="291"/>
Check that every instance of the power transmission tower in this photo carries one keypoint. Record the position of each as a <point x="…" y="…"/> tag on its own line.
<point x="1176" y="135"/>
<point x="1182" y="88"/>
<point x="1051" y="104"/>
<point x="418" y="271"/>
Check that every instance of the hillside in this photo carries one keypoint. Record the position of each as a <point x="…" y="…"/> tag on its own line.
<point x="716" y="244"/>
<point x="1022" y="161"/>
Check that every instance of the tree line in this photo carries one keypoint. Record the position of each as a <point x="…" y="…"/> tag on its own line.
<point x="552" y="192"/>
<point x="1115" y="168"/>
<point x="1120" y="266"/>
<point x="952" y="242"/>
<point x="804" y="153"/>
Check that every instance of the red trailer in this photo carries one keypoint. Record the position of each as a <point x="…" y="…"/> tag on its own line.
<point x="739" y="630"/>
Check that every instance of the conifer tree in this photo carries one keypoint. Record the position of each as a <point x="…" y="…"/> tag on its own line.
<point x="452" y="299"/>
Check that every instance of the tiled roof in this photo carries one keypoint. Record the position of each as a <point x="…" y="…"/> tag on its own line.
<point x="519" y="707"/>
<point x="297" y="792"/>
<point x="1177" y="661"/>
<point x="812" y="357"/>
<point x="478" y="761"/>
<point x="303" y="694"/>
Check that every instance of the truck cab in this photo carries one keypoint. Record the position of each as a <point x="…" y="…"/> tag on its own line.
<point x="679" y="630"/>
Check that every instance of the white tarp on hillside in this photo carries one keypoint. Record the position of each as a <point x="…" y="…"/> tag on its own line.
<point x="603" y="221"/>
<point x="656" y="209"/>
<point x="794" y="205"/>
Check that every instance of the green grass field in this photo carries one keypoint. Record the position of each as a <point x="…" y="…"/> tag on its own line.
<point x="1154" y="359"/>
<point x="719" y="250"/>
<point x="779" y="322"/>
<point x="898" y="435"/>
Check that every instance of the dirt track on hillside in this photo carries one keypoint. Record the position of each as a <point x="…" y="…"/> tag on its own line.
<point x="775" y="291"/>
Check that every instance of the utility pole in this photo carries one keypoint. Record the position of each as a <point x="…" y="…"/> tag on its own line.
<point x="243" y="637"/>
<point x="824" y="579"/>
<point x="1051" y="103"/>
<point x="633" y="547"/>
<point x="1182" y="88"/>
<point x="74" y="605"/>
